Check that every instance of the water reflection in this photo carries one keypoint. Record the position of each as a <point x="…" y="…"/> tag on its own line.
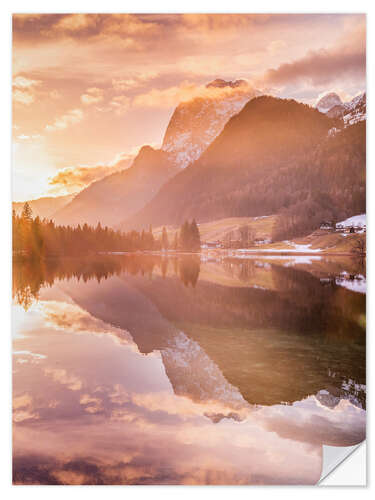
<point x="155" y="370"/>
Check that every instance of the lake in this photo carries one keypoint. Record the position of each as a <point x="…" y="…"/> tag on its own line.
<point x="148" y="369"/>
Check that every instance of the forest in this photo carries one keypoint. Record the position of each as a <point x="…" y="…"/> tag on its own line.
<point x="35" y="238"/>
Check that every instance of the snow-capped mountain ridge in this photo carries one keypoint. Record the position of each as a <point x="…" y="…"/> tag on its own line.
<point x="196" y="123"/>
<point x="328" y="101"/>
<point x="351" y="111"/>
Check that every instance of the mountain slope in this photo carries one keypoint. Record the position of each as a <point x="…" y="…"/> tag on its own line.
<point x="121" y="194"/>
<point x="44" y="207"/>
<point x="275" y="154"/>
<point x="196" y="123"/>
<point x="351" y="112"/>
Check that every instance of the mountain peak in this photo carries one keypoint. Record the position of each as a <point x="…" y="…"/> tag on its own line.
<point x="195" y="124"/>
<point x="328" y="101"/>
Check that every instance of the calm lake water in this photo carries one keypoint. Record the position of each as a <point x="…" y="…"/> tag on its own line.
<point x="155" y="370"/>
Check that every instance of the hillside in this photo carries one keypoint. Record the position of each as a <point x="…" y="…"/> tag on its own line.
<point x="259" y="227"/>
<point x="44" y="207"/>
<point x="192" y="127"/>
<point x="275" y="156"/>
<point x="121" y="194"/>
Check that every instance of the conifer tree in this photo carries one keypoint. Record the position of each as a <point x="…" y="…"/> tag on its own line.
<point x="175" y="242"/>
<point x="27" y="213"/>
<point x="195" y="237"/>
<point x="164" y="239"/>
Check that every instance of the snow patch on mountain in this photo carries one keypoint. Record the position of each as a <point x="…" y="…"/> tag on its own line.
<point x="195" y="124"/>
<point x="194" y="375"/>
<point x="351" y="112"/>
<point x="328" y="101"/>
<point x="356" y="220"/>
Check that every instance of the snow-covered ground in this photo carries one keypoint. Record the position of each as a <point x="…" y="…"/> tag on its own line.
<point x="293" y="248"/>
<point x="355" y="284"/>
<point x="356" y="220"/>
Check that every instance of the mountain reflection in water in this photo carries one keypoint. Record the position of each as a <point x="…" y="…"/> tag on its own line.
<point x="145" y="369"/>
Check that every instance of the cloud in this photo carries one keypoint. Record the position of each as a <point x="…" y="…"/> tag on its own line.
<point x="29" y="138"/>
<point x="46" y="27"/>
<point x="133" y="81"/>
<point x="73" y="179"/>
<point x="187" y="91"/>
<point x="120" y="104"/>
<point x="23" y="408"/>
<point x="91" y="404"/>
<point x="60" y="375"/>
<point x="24" y="90"/>
<point x="70" y="118"/>
<point x="220" y="22"/>
<point x="93" y="95"/>
<point x="341" y="61"/>
<point x="23" y="97"/>
<point x="24" y="83"/>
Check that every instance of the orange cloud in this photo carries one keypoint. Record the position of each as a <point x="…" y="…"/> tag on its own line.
<point x="120" y="104"/>
<point x="133" y="81"/>
<point x="23" y="90"/>
<point x="93" y="95"/>
<point x="60" y="375"/>
<point x="23" y="408"/>
<point x="70" y="118"/>
<point x="72" y="179"/>
<point x="172" y="96"/>
<point x="215" y="22"/>
<point x="46" y="27"/>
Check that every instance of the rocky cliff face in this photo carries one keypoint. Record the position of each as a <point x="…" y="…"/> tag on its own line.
<point x="351" y="112"/>
<point x="328" y="101"/>
<point x="195" y="124"/>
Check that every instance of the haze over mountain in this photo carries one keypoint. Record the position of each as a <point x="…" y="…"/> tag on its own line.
<point x="44" y="207"/>
<point x="275" y="156"/>
<point x="193" y="126"/>
<point x="196" y="123"/>
<point x="269" y="158"/>
<point x="121" y="194"/>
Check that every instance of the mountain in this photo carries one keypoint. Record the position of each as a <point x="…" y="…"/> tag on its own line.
<point x="355" y="110"/>
<point x="121" y="194"/>
<point x="196" y="123"/>
<point x="275" y="156"/>
<point x="193" y="126"/>
<point x="44" y="207"/>
<point x="328" y="101"/>
<point x="351" y="112"/>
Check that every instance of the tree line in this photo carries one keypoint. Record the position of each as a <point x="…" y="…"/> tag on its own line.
<point x="186" y="239"/>
<point x="36" y="238"/>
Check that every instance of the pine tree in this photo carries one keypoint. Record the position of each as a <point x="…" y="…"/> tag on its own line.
<point x="184" y="236"/>
<point x="36" y="238"/>
<point x="27" y="213"/>
<point x="195" y="237"/>
<point x="175" y="242"/>
<point x="164" y="239"/>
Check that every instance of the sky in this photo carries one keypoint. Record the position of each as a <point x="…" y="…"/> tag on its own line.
<point x="90" y="90"/>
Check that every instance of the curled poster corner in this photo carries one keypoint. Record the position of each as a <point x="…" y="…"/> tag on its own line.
<point x="334" y="456"/>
